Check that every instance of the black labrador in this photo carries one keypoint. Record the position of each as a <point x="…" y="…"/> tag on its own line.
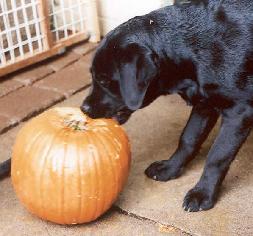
<point x="202" y="50"/>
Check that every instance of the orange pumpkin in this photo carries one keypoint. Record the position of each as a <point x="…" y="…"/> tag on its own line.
<point x="68" y="168"/>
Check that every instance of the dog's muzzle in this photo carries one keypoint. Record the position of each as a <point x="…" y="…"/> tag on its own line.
<point x="121" y="116"/>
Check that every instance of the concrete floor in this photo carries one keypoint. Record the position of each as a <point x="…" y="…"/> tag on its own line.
<point x="146" y="207"/>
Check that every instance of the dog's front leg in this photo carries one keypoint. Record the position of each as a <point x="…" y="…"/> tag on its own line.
<point x="199" y="125"/>
<point x="235" y="127"/>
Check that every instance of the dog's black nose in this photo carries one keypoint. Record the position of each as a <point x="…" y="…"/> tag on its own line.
<point x="85" y="108"/>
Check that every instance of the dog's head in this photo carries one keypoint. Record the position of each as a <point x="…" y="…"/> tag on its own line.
<point x="122" y="72"/>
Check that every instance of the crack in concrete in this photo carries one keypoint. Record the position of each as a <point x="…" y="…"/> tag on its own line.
<point x="23" y="85"/>
<point x="9" y="127"/>
<point x="133" y="215"/>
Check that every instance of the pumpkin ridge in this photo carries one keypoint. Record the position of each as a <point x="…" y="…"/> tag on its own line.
<point x="118" y="145"/>
<point x="22" y="159"/>
<point x="34" y="140"/>
<point x="66" y="135"/>
<point x="110" y="161"/>
<point x="105" y="155"/>
<point x="45" y="157"/>
<point x="85" y="207"/>
<point x="91" y="154"/>
<point x="98" y="178"/>
<point x="99" y="162"/>
<point x="125" y="147"/>
<point x="122" y="141"/>
<point x="59" y="172"/>
<point x="79" y="181"/>
<point x="115" y="174"/>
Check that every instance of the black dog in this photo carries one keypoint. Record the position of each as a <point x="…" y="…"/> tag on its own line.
<point x="202" y="50"/>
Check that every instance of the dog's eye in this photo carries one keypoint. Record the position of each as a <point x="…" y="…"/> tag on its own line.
<point x="104" y="82"/>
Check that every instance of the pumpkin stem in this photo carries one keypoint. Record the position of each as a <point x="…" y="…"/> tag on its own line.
<point x="76" y="124"/>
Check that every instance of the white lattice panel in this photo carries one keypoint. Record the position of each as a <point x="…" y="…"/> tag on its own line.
<point x="38" y="29"/>
<point x="67" y="17"/>
<point x="20" y="32"/>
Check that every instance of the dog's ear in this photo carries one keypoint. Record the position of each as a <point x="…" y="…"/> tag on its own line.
<point x="137" y="68"/>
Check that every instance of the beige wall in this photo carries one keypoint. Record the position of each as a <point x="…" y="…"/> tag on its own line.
<point x="113" y="12"/>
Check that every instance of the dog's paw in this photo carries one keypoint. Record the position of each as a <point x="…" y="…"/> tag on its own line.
<point x="197" y="199"/>
<point x="162" y="171"/>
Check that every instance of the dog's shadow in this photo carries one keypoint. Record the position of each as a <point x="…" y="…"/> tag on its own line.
<point x="154" y="135"/>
